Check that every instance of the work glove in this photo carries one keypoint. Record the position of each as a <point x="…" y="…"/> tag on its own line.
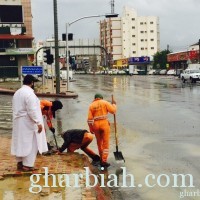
<point x="52" y="130"/>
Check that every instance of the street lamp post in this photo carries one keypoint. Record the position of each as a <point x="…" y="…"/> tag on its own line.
<point x="67" y="45"/>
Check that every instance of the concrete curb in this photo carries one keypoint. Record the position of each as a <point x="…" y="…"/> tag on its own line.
<point x="68" y="94"/>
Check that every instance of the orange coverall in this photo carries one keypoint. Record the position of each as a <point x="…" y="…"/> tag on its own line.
<point x="47" y="112"/>
<point x="100" y="126"/>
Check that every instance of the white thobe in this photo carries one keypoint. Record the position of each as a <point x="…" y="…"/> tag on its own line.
<point x="26" y="116"/>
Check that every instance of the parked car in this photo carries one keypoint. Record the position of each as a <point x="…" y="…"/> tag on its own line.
<point x="157" y="72"/>
<point x="152" y="72"/>
<point x="191" y="75"/>
<point x="171" y="72"/>
<point x="121" y="72"/>
<point x="163" y="72"/>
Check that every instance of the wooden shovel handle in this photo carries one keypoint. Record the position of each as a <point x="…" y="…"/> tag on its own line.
<point x="115" y="125"/>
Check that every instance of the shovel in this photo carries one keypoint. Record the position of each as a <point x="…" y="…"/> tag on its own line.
<point x="55" y="140"/>
<point x="118" y="154"/>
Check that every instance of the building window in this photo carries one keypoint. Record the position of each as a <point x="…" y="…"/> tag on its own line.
<point x="134" y="52"/>
<point x="145" y="39"/>
<point x="133" y="27"/>
<point x="133" y="19"/>
<point x="152" y="47"/>
<point x="151" y="31"/>
<point x="133" y="35"/>
<point x="141" y="23"/>
<point x="151" y="22"/>
<point x="142" y="40"/>
<point x="152" y="39"/>
<point x="133" y="44"/>
<point x="141" y="31"/>
<point x="142" y="48"/>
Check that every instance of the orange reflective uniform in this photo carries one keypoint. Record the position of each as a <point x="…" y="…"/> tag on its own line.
<point x="100" y="126"/>
<point x="77" y="138"/>
<point x="87" y="139"/>
<point x="45" y="106"/>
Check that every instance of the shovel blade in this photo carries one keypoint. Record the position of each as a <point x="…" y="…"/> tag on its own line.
<point x="118" y="156"/>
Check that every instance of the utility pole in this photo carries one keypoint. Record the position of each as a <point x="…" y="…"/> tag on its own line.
<point x="57" y="69"/>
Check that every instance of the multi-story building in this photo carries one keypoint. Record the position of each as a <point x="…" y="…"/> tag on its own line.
<point x="15" y="36"/>
<point x="111" y="39"/>
<point x="130" y="35"/>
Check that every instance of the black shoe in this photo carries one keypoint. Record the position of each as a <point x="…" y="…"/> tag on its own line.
<point x="105" y="164"/>
<point x="96" y="160"/>
<point x="19" y="166"/>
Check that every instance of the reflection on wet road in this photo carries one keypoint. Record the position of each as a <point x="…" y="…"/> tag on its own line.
<point x="158" y="126"/>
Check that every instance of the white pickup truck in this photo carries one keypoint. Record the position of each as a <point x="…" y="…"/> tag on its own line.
<point x="191" y="75"/>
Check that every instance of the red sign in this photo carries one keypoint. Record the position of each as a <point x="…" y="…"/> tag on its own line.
<point x="182" y="56"/>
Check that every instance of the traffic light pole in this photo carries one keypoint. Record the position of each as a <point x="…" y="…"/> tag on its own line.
<point x="67" y="45"/>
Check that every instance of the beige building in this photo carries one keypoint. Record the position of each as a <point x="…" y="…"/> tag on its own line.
<point x="130" y="35"/>
<point x="27" y="16"/>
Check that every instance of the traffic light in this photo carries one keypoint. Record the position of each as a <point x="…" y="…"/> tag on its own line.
<point x="48" y="57"/>
<point x="70" y="36"/>
<point x="50" y="60"/>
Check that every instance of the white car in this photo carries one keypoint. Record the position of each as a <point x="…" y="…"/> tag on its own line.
<point x="191" y="75"/>
<point x="152" y="72"/>
<point x="163" y="72"/>
<point x="171" y="72"/>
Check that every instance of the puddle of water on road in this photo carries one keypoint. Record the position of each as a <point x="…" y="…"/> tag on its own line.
<point x="13" y="188"/>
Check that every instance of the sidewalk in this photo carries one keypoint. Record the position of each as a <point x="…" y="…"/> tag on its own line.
<point x="48" y="90"/>
<point x="69" y="163"/>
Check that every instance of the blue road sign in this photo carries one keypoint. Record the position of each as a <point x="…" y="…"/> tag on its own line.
<point x="143" y="59"/>
<point x="32" y="70"/>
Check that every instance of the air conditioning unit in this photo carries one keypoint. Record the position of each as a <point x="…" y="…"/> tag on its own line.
<point x="12" y="58"/>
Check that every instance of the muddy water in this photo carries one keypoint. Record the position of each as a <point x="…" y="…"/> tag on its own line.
<point x="158" y="127"/>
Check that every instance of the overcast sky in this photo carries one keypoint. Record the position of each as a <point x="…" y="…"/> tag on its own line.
<point x="179" y="19"/>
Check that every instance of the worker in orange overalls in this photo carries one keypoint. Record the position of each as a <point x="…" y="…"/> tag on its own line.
<point x="48" y="109"/>
<point x="100" y="126"/>
<point x="79" y="138"/>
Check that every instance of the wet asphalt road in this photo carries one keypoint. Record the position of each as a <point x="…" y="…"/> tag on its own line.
<point x="157" y="122"/>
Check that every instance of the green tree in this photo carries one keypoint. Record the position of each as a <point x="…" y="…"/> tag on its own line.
<point x="160" y="59"/>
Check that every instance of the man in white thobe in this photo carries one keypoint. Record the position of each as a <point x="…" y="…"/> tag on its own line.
<point x="28" y="134"/>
